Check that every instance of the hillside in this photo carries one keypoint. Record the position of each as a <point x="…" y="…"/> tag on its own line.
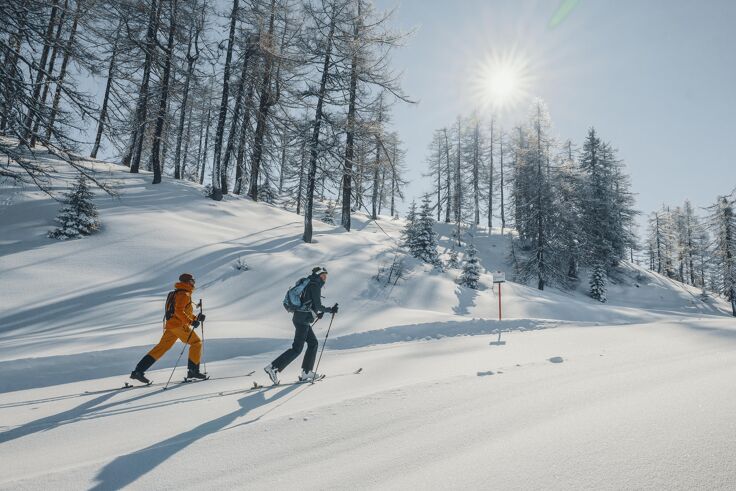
<point x="435" y="405"/>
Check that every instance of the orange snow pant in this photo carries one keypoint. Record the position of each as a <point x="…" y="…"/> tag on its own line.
<point x="169" y="338"/>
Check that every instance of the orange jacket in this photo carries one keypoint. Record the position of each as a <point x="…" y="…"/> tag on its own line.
<point x="183" y="309"/>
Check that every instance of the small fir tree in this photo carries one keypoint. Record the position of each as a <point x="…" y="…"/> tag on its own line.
<point x="408" y="234"/>
<point x="79" y="215"/>
<point x="425" y="245"/>
<point x="454" y="261"/>
<point x="471" y="269"/>
<point x="598" y="279"/>
<point x="329" y="215"/>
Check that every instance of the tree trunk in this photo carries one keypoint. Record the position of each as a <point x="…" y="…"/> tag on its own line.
<point x="449" y="176"/>
<point x="393" y="179"/>
<point x="106" y="98"/>
<point x="347" y="171"/>
<point x="191" y="60"/>
<point x="155" y="155"/>
<point x="216" y="175"/>
<point x="476" y="174"/>
<point x="490" y="183"/>
<point x="201" y="137"/>
<point x="540" y="214"/>
<point x="234" y="133"/>
<point x="265" y="101"/>
<point x="302" y="159"/>
<point x="206" y="145"/>
<point x="133" y="159"/>
<point x="187" y="140"/>
<point x="377" y="161"/>
<point x="382" y="192"/>
<point x="458" y="179"/>
<point x="358" y="178"/>
<point x="282" y="166"/>
<point x="240" y="175"/>
<point x="62" y="71"/>
<point x="503" y="209"/>
<point x="11" y="67"/>
<point x="314" y="146"/>
<point x="439" y="179"/>
<point x="50" y="70"/>
<point x="34" y="108"/>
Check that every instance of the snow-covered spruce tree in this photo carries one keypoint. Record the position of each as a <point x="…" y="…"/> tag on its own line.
<point x="409" y="234"/>
<point x="79" y="216"/>
<point x="598" y="279"/>
<point x="471" y="269"/>
<point x="329" y="215"/>
<point x="691" y="229"/>
<point x="596" y="213"/>
<point x="534" y="194"/>
<point x="657" y="242"/>
<point x="425" y="241"/>
<point x="723" y="223"/>
<point x="437" y="171"/>
<point x="454" y="260"/>
<point x="676" y="244"/>
<point x="606" y="207"/>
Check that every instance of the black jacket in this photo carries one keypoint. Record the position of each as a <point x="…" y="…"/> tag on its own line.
<point x="312" y="296"/>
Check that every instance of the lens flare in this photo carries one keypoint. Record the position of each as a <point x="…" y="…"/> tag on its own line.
<point x="502" y="81"/>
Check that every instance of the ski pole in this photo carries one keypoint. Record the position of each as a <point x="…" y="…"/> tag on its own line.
<point x="204" y="362"/>
<point x="186" y="343"/>
<point x="323" y="345"/>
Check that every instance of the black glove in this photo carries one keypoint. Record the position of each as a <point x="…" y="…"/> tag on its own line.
<point x="334" y="309"/>
<point x="195" y="324"/>
<point x="320" y="315"/>
<point x="201" y="317"/>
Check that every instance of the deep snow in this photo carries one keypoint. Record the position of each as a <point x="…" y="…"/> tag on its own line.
<point x="636" y="393"/>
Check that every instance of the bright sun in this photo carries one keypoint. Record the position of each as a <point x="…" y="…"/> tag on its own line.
<point x="502" y="81"/>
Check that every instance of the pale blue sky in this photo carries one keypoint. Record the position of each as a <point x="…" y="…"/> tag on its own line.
<point x="656" y="78"/>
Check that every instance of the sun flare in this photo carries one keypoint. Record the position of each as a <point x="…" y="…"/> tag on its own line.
<point x="502" y="81"/>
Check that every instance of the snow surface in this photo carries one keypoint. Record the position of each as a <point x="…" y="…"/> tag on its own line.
<point x="636" y="393"/>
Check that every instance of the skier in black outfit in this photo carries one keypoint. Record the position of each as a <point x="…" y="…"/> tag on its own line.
<point x="303" y="319"/>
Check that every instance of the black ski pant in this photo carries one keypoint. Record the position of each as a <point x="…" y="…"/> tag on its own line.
<point x="303" y="333"/>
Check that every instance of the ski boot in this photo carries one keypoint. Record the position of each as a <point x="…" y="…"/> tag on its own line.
<point x="140" y="369"/>
<point x="193" y="371"/>
<point x="308" y="376"/>
<point x="139" y="376"/>
<point x="273" y="374"/>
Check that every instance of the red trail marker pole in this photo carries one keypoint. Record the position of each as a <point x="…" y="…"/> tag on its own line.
<point x="499" y="301"/>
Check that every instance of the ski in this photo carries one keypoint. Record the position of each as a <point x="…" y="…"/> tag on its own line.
<point x="256" y="385"/>
<point x="128" y="385"/>
<point x="188" y="380"/>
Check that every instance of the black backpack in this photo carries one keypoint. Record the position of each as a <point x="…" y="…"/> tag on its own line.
<point x="169" y="306"/>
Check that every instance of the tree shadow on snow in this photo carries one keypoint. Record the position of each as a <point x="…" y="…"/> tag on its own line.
<point x="83" y="411"/>
<point x="126" y="469"/>
<point x="465" y="299"/>
<point x="28" y="373"/>
<point x="62" y="313"/>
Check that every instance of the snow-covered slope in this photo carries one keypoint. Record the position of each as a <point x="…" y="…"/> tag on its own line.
<point x="606" y="399"/>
